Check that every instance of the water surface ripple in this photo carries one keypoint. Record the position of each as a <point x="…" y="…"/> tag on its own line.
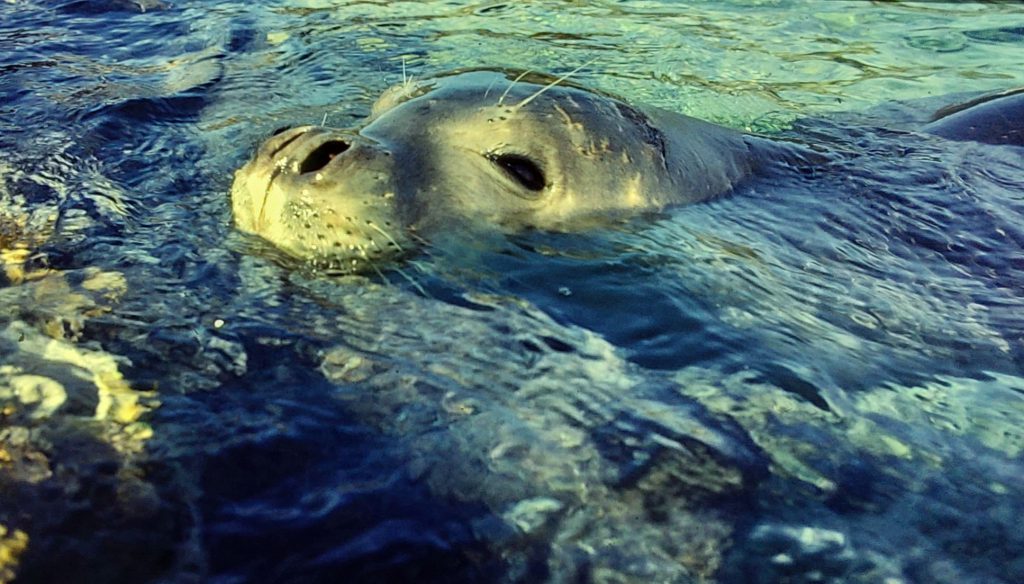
<point x="814" y="379"/>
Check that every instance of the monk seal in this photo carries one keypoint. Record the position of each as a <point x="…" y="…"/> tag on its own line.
<point x="479" y="147"/>
<point x="996" y="118"/>
<point x="508" y="151"/>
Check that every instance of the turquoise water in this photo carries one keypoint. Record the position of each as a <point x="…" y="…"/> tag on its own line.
<point x="815" y="379"/>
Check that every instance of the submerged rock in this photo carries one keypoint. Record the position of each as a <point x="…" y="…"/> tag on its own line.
<point x="611" y="476"/>
<point x="798" y="554"/>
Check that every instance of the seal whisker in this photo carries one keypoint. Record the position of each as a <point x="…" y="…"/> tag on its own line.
<point x="385" y="234"/>
<point x="490" y="86"/>
<point x="379" y="273"/>
<point x="523" y="103"/>
<point x="417" y="264"/>
<point x="418" y="239"/>
<point x="407" y="80"/>
<point x="511" y="85"/>
<point x="412" y="281"/>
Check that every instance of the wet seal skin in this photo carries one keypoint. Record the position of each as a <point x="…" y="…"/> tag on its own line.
<point x="506" y="151"/>
<point x="994" y="119"/>
<point x="478" y="147"/>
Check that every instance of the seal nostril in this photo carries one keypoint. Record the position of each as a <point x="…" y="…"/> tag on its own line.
<point x="322" y="155"/>
<point x="281" y="130"/>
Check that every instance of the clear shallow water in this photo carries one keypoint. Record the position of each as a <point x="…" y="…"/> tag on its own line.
<point x="817" y="378"/>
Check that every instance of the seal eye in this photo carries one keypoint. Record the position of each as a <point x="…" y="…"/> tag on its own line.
<point x="525" y="171"/>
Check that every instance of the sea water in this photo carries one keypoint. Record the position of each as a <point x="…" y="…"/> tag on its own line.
<point x="814" y="379"/>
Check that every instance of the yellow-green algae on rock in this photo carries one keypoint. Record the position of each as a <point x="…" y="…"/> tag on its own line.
<point x="83" y="370"/>
<point x="12" y="544"/>
<point x="72" y="435"/>
<point x="66" y="409"/>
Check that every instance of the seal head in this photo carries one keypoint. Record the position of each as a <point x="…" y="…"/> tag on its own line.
<point x="471" y="149"/>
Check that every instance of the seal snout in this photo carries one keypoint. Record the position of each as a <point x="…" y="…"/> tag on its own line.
<point x="323" y="154"/>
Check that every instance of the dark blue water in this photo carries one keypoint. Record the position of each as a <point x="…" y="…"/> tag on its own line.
<point x="814" y="379"/>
